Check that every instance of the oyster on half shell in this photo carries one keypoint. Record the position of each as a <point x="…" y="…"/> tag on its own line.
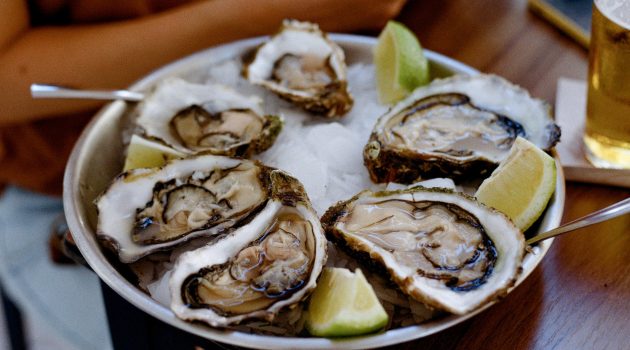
<point x="456" y="127"/>
<point x="208" y="118"/>
<point x="149" y="210"/>
<point x="302" y="65"/>
<point x="270" y="263"/>
<point x="442" y="248"/>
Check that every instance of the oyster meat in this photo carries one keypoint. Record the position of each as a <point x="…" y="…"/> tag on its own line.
<point x="270" y="263"/>
<point x="457" y="127"/>
<point x="210" y="118"/>
<point x="149" y="210"/>
<point x="442" y="248"/>
<point x="302" y="65"/>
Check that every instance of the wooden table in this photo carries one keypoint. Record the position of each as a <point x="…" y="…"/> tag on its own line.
<point x="579" y="296"/>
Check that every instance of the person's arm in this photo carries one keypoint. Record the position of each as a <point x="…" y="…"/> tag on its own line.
<point x="113" y="55"/>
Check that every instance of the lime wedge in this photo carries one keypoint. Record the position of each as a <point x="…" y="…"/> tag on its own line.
<point x="344" y="304"/>
<point x="400" y="64"/>
<point x="522" y="184"/>
<point x="143" y="153"/>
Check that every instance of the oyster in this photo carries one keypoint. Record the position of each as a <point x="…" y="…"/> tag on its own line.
<point x="456" y="127"/>
<point x="268" y="264"/>
<point x="302" y="65"/>
<point x="149" y="210"/>
<point x="211" y="118"/>
<point x="442" y="248"/>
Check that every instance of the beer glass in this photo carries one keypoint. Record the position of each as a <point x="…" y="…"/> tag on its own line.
<point x="607" y="133"/>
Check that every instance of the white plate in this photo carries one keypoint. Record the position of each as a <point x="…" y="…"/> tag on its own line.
<point x="95" y="161"/>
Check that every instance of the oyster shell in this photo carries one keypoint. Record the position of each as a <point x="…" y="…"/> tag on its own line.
<point x="208" y="118"/>
<point x="442" y="248"/>
<point x="268" y="264"/>
<point x="149" y="210"/>
<point x="457" y="127"/>
<point x="302" y="65"/>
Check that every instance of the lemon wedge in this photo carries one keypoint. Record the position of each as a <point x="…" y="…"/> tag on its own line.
<point x="344" y="304"/>
<point x="400" y="64"/>
<point x="143" y="153"/>
<point x="521" y="185"/>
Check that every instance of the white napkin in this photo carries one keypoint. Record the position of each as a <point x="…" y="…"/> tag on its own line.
<point x="570" y="115"/>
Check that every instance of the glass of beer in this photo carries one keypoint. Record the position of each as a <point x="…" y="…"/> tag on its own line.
<point x="607" y="133"/>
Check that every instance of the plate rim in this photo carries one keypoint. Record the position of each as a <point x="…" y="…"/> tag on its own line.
<point x="87" y="244"/>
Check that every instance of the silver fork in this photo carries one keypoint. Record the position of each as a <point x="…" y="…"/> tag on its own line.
<point x="56" y="91"/>
<point x="617" y="209"/>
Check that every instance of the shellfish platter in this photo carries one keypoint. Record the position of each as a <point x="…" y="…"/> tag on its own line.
<point x="289" y="165"/>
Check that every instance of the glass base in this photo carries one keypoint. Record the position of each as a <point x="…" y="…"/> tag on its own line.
<point x="603" y="152"/>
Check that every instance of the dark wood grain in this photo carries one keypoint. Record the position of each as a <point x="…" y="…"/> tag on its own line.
<point x="579" y="296"/>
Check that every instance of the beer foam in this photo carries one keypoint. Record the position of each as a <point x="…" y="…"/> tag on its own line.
<point x="617" y="11"/>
